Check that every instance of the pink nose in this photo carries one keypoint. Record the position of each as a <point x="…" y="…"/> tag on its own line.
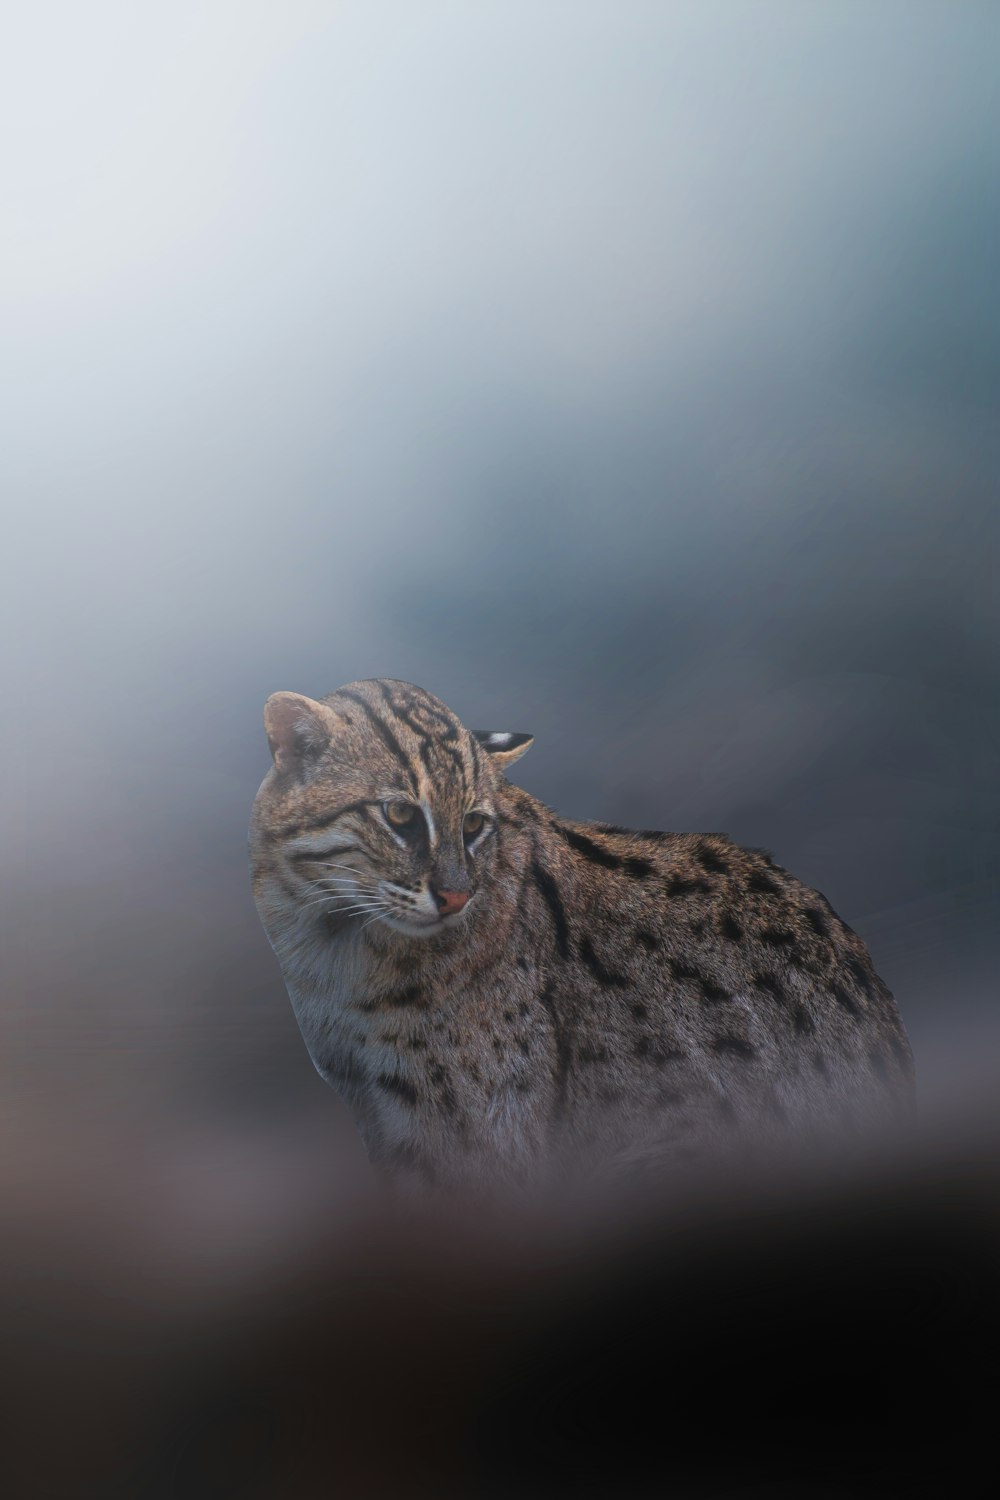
<point x="449" y="902"/>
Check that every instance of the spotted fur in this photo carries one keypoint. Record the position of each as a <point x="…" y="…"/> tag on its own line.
<point x="601" y="991"/>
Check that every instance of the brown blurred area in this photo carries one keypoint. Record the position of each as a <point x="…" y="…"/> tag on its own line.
<point x="824" y="1335"/>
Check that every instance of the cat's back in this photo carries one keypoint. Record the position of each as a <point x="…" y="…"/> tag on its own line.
<point x="699" y="976"/>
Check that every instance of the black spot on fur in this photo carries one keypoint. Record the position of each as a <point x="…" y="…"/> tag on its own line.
<point x="730" y="928"/>
<point x="766" y="884"/>
<point x="846" y="1000"/>
<point x="399" y="1087"/>
<point x="683" y="971"/>
<point x="632" y="833"/>
<point x="710" y="859"/>
<point x="597" y="968"/>
<point x="713" y="992"/>
<point x="670" y="1096"/>
<point x="679" y="885"/>
<point x="644" y="1047"/>
<point x="817" y="921"/>
<point x="564" y="1054"/>
<point x="441" y="1079"/>
<point x="777" y="937"/>
<point x="640" y="1012"/>
<point x="836" y="922"/>
<point x="592" y="1054"/>
<point x="550" y="892"/>
<point x="735" y="1046"/>
<point x="763" y="854"/>
<point x="647" y="940"/>
<point x="412" y="995"/>
<point x="860" y="974"/>
<point x="803" y="1021"/>
<point x="772" y="986"/>
<point x="589" y="848"/>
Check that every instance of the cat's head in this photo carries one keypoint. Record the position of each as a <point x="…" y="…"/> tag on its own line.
<point x="380" y="806"/>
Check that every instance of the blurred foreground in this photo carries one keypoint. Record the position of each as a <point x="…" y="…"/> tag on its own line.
<point x="222" y="1334"/>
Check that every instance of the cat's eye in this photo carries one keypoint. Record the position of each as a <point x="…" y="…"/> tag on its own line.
<point x="473" y="824"/>
<point x="399" y="814"/>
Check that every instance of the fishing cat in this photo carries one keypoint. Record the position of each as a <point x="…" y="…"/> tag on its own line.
<point x="502" y="994"/>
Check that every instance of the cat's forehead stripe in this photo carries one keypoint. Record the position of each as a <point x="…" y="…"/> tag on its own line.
<point x="438" y="733"/>
<point x="408" y="717"/>
<point x="382" y="729"/>
<point x="440" y="763"/>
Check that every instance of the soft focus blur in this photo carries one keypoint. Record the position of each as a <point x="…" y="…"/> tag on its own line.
<point x="627" y="373"/>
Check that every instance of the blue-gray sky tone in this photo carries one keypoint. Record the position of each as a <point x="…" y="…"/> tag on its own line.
<point x="624" y="372"/>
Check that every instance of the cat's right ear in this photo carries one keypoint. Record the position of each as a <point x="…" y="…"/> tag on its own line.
<point x="504" y="749"/>
<point x="298" y="730"/>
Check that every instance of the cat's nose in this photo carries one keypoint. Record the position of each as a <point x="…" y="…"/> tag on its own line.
<point x="449" y="902"/>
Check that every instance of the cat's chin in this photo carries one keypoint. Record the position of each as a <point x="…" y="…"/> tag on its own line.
<point x="433" y="927"/>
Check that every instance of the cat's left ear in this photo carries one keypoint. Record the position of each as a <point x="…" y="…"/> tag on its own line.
<point x="503" y="749"/>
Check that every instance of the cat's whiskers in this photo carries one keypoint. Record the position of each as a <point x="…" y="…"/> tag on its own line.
<point x="362" y="911"/>
<point x="328" y="895"/>
<point x="332" y="898"/>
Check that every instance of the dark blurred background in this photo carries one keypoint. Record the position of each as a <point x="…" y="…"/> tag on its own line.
<point x="625" y="373"/>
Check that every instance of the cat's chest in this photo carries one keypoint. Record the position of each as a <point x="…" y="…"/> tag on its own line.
<point x="463" y="1067"/>
<point x="323" y="979"/>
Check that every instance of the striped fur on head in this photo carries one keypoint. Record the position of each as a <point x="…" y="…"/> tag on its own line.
<point x="380" y="802"/>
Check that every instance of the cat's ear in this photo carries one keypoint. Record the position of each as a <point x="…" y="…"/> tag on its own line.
<point x="298" y="730"/>
<point x="503" y="749"/>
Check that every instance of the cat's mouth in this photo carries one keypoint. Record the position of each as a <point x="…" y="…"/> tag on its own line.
<point x="423" y="925"/>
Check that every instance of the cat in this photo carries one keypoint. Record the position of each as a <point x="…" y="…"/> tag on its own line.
<point x="501" y="994"/>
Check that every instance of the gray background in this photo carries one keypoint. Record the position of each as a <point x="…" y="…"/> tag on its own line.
<point x="626" y="373"/>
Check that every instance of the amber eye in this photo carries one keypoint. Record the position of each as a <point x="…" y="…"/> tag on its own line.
<point x="473" y="824"/>
<point x="399" y="814"/>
